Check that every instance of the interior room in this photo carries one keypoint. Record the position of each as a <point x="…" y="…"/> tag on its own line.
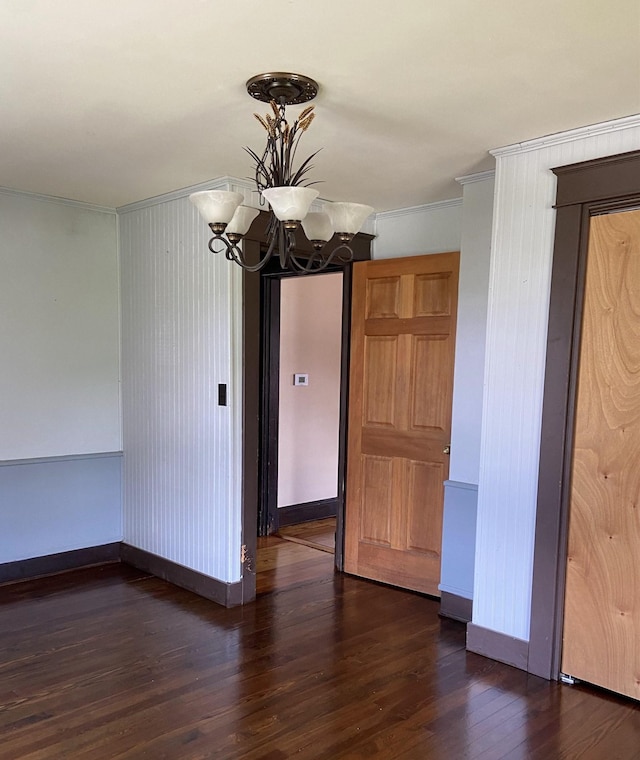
<point x="383" y="508"/>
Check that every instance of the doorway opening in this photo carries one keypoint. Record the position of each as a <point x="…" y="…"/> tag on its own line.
<point x="259" y="442"/>
<point x="304" y="387"/>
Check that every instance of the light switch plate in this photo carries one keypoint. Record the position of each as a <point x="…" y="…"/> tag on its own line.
<point x="300" y="379"/>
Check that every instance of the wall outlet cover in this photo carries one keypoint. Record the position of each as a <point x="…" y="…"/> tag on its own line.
<point x="300" y="379"/>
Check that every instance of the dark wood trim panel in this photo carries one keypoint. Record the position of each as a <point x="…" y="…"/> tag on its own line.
<point x="36" y="567"/>
<point x="251" y="389"/>
<point x="360" y="244"/>
<point x="312" y="510"/>
<point x="555" y="446"/>
<point x="347" y="280"/>
<point x="613" y="177"/>
<point x="226" y="594"/>
<point x="270" y="416"/>
<point x="498" y="646"/>
<point x="611" y="183"/>
<point x="456" y="607"/>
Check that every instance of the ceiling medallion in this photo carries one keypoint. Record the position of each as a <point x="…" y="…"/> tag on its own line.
<point x="285" y="186"/>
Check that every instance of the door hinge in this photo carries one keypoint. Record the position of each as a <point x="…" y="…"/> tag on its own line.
<point x="566" y="678"/>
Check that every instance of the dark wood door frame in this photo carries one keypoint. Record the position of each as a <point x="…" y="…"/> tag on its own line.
<point x="253" y="369"/>
<point x="593" y="187"/>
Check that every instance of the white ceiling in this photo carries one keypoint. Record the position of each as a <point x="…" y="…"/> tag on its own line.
<point x="113" y="102"/>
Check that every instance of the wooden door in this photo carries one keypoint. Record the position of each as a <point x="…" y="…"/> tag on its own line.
<point x="602" y="604"/>
<point x="401" y="386"/>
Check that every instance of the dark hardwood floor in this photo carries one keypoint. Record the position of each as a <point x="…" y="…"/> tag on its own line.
<point x="110" y="663"/>
<point x="283" y="564"/>
<point x="319" y="534"/>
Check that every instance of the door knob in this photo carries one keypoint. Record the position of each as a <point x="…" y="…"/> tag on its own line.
<point x="447" y="449"/>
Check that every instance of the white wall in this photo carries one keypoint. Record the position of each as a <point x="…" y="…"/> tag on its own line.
<point x="460" y="500"/>
<point x="59" y="377"/>
<point x="522" y="250"/>
<point x="181" y="337"/>
<point x="433" y="228"/>
<point x="462" y="225"/>
<point x="473" y="297"/>
<point x="310" y="342"/>
<point x="59" y="373"/>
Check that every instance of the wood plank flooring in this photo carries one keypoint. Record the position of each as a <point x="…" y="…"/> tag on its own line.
<point x="112" y="664"/>
<point x="319" y="534"/>
<point x="283" y="564"/>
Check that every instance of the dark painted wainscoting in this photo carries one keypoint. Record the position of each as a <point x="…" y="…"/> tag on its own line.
<point x="36" y="567"/>
<point x="226" y="594"/>
<point x="498" y="646"/>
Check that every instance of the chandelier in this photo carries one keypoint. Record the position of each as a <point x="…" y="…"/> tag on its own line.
<point x="284" y="185"/>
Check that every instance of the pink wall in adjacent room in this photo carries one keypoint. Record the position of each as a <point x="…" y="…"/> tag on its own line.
<point x="310" y="343"/>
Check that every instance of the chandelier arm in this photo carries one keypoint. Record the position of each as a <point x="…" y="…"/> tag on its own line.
<point x="317" y="262"/>
<point x="314" y="263"/>
<point x="273" y="240"/>
<point x="294" y="261"/>
<point x="295" y="264"/>
<point x="346" y="258"/>
<point x="233" y="253"/>
<point x="223" y="240"/>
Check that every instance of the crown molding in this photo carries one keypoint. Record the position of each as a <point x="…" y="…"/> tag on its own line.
<point x="571" y="135"/>
<point x="452" y="203"/>
<point x="221" y="183"/>
<point x="55" y="199"/>
<point x="469" y="179"/>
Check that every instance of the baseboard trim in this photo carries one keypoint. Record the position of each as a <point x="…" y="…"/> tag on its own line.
<point x="498" y="646"/>
<point x="455" y="607"/>
<point x="312" y="510"/>
<point x="50" y="564"/>
<point x="226" y="594"/>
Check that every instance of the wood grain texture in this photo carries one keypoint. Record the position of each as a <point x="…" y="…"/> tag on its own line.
<point x="283" y="564"/>
<point x="111" y="664"/>
<point x="320" y="534"/>
<point x="402" y="354"/>
<point x="602" y="606"/>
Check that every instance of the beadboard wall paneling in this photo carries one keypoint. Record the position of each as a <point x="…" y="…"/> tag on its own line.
<point x="181" y="337"/>
<point x="522" y="250"/>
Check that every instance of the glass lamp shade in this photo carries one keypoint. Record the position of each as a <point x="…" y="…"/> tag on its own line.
<point x="241" y="220"/>
<point x="216" y="206"/>
<point x="348" y="217"/>
<point x="317" y="226"/>
<point x="290" y="203"/>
